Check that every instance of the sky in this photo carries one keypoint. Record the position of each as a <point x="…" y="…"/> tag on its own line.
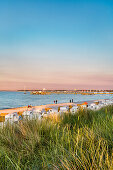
<point x="56" y="44"/>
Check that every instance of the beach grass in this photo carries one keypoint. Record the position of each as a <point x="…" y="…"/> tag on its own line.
<point x="83" y="140"/>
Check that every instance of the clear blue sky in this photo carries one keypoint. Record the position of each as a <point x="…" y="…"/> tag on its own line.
<point x="56" y="43"/>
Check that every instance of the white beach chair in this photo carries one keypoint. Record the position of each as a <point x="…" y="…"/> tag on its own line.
<point x="52" y="111"/>
<point x="92" y="106"/>
<point x="63" y="109"/>
<point x="36" y="113"/>
<point x="74" y="109"/>
<point x="28" y="115"/>
<point x="13" y="117"/>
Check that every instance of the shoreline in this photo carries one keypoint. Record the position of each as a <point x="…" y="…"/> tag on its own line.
<point x="20" y="109"/>
<point x="41" y="107"/>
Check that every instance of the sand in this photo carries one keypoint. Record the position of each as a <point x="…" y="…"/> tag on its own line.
<point x="41" y="107"/>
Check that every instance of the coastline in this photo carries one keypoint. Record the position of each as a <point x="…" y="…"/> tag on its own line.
<point x="41" y="107"/>
<point x="20" y="109"/>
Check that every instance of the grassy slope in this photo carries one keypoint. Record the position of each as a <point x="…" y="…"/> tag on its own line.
<point x="79" y="141"/>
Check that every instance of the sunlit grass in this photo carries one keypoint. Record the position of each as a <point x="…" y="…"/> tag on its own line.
<point x="79" y="141"/>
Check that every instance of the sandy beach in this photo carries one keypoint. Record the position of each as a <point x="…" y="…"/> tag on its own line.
<point x="20" y="109"/>
<point x="41" y="107"/>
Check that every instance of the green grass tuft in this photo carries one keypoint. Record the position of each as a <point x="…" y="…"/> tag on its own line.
<point x="83" y="140"/>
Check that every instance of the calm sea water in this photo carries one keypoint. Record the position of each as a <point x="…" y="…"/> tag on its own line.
<point x="18" y="99"/>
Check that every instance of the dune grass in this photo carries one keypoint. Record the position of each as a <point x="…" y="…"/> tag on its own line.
<point x="83" y="140"/>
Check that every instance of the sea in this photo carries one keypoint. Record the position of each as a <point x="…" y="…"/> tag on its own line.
<point x="9" y="99"/>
